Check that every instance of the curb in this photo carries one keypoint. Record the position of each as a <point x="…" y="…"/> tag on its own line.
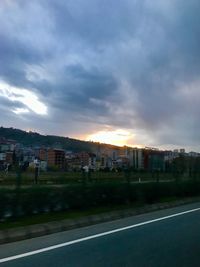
<point x="21" y="233"/>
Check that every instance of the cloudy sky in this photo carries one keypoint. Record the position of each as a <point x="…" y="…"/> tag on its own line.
<point x="118" y="71"/>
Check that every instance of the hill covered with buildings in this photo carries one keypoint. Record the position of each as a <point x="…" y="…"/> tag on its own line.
<point x="25" y="148"/>
<point x="34" y="139"/>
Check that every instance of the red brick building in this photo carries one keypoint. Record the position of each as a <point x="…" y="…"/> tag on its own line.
<point x="53" y="157"/>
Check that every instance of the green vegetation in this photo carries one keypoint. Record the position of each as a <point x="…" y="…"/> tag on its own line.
<point x="59" y="215"/>
<point x="29" y="201"/>
<point x="68" y="178"/>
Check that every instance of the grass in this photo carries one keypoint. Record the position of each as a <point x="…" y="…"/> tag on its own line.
<point x="168" y="199"/>
<point x="72" y="214"/>
<point x="61" y="215"/>
<point x="27" y="178"/>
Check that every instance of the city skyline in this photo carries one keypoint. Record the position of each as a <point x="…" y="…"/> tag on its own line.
<point x="58" y="145"/>
<point x="126" y="73"/>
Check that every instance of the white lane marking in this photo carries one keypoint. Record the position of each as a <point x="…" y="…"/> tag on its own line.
<point x="93" y="236"/>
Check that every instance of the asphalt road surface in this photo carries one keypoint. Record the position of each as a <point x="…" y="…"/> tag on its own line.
<point x="163" y="238"/>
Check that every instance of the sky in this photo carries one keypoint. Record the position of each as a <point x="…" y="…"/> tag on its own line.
<point x="125" y="72"/>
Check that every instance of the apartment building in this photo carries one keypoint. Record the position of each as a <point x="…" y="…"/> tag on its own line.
<point x="137" y="161"/>
<point x="53" y="157"/>
<point x="80" y="160"/>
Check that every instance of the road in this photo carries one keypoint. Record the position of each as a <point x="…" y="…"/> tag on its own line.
<point x="163" y="238"/>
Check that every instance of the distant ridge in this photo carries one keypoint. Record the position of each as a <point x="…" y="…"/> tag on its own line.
<point x="33" y="139"/>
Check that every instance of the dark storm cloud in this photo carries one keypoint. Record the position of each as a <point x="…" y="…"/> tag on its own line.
<point x="87" y="86"/>
<point x="7" y="105"/>
<point x="127" y="64"/>
<point x="98" y="22"/>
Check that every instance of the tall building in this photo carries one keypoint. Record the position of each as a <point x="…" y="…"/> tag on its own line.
<point x="138" y="158"/>
<point x="56" y="157"/>
<point x="53" y="157"/>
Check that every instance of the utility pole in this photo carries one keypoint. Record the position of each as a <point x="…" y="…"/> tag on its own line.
<point x="37" y="168"/>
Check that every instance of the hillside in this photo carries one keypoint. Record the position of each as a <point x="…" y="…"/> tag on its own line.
<point x="33" y="139"/>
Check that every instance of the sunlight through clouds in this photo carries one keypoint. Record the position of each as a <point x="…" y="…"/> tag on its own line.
<point x="137" y="69"/>
<point x="28" y="98"/>
<point x="118" y="137"/>
<point x="20" y="110"/>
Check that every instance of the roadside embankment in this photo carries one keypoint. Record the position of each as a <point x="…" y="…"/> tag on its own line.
<point x="36" y="230"/>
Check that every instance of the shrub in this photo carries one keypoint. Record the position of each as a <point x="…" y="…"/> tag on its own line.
<point x="39" y="199"/>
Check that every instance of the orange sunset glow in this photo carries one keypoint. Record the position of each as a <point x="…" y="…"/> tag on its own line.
<point x="117" y="137"/>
